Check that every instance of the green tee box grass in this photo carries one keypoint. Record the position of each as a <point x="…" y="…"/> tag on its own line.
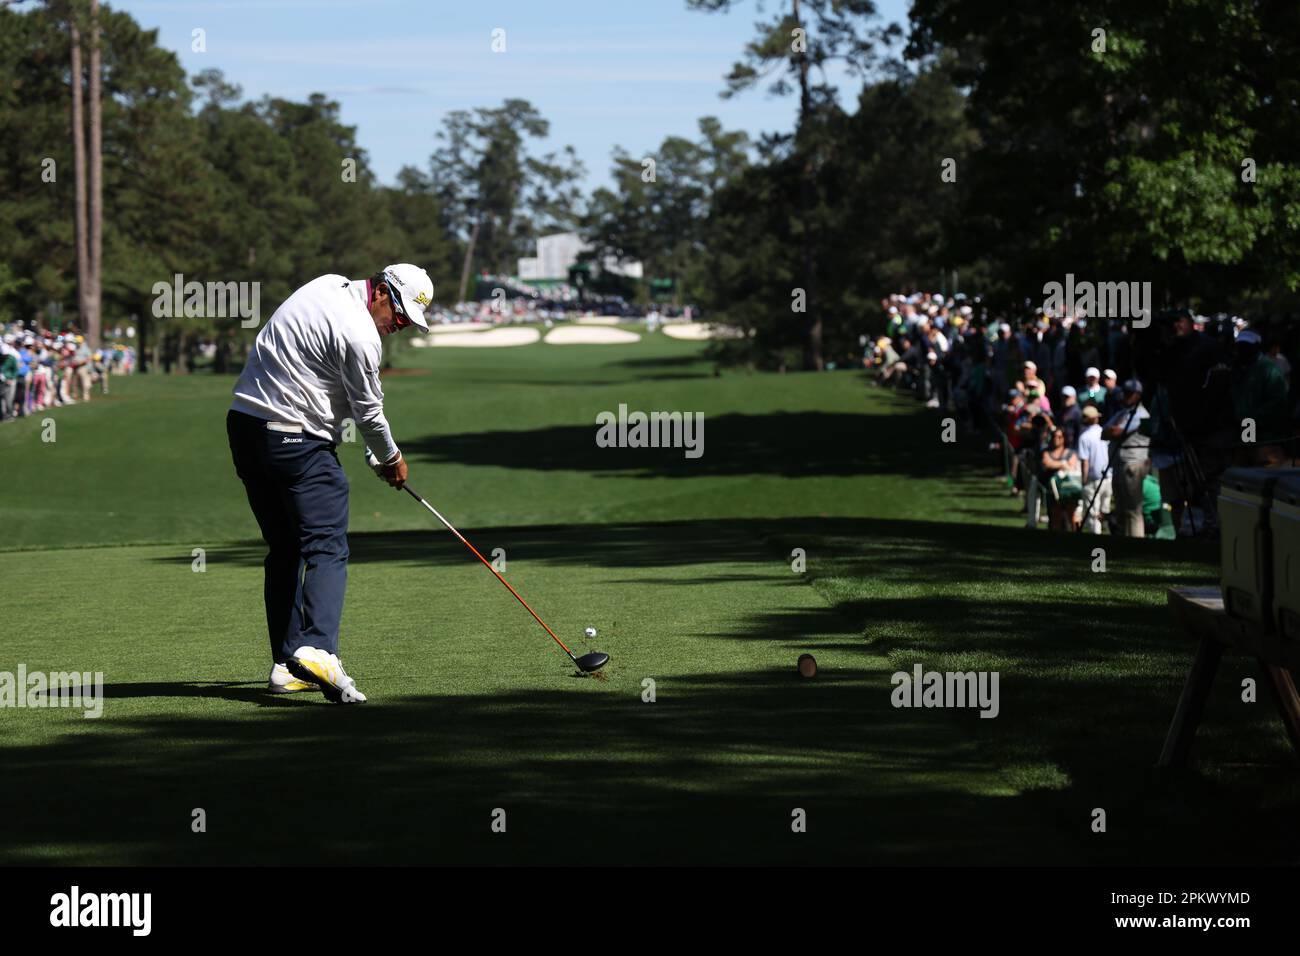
<point x="685" y="568"/>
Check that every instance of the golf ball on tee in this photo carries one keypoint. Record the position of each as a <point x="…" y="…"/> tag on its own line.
<point x="590" y="632"/>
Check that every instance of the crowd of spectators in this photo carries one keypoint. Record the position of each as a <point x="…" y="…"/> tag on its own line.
<point x="42" y="369"/>
<point x="1103" y="424"/>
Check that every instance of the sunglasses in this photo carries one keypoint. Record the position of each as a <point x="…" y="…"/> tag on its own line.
<point x="403" y="320"/>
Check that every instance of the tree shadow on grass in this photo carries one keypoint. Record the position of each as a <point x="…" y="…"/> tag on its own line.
<point x="788" y="444"/>
<point x="657" y="369"/>
<point x="901" y="550"/>
<point x="661" y="361"/>
<point x="1090" y="669"/>
<point x="583" y="379"/>
<point x="600" y="778"/>
<point x="710" y="773"/>
<point x="244" y="692"/>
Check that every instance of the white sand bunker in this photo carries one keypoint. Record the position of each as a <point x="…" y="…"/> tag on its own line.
<point x="598" y="320"/>
<point x="459" y="327"/>
<point x="696" y="331"/>
<point x="589" y="335"/>
<point x="493" y="338"/>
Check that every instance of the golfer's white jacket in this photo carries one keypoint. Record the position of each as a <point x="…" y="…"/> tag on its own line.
<point x="316" y="362"/>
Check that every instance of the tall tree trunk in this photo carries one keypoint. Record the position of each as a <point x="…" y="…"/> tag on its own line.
<point x="469" y="259"/>
<point x="812" y="349"/>
<point x="79" y="171"/>
<point x="95" y="167"/>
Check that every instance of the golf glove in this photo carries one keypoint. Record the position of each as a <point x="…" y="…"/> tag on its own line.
<point x="394" y="472"/>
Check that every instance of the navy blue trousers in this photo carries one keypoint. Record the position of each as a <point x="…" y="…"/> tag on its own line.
<point x="299" y="495"/>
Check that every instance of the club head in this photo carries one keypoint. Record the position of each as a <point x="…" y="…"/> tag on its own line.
<point x="591" y="662"/>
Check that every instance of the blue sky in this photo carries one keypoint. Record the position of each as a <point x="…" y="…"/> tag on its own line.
<point x="603" y="72"/>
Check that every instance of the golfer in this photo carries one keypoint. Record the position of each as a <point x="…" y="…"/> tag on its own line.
<point x="313" y="365"/>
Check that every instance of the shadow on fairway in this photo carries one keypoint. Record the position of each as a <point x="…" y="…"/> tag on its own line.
<point x="706" y="774"/>
<point x="240" y="691"/>
<point x="659" y="369"/>
<point x="666" y="367"/>
<point x="660" y="361"/>
<point x="497" y="385"/>
<point x="788" y="444"/>
<point x="922" y="550"/>
<point x="712" y="771"/>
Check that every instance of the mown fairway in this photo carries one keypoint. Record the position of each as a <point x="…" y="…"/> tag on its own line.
<point x="685" y="568"/>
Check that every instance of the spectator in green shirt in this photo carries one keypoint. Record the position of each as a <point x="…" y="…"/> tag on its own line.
<point x="1151" y="501"/>
<point x="1092" y="392"/>
<point x="8" y="378"/>
<point x="1259" y="393"/>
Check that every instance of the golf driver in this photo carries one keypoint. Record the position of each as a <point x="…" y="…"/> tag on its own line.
<point x="587" y="663"/>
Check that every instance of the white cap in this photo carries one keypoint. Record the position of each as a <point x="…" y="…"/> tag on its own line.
<point x="1069" y="390"/>
<point x="1032" y="365"/>
<point x="1109" y="373"/>
<point x="1091" y="372"/>
<point x="414" y="290"/>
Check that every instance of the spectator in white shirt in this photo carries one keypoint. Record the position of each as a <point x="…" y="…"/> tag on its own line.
<point x="1094" y="464"/>
<point x="1131" y="452"/>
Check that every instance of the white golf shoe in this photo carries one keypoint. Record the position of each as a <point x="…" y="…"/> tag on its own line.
<point x="325" y="670"/>
<point x="282" y="681"/>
